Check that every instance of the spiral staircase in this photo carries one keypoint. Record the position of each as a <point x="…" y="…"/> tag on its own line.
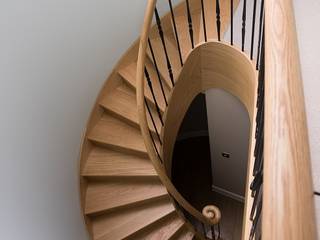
<point x="124" y="194"/>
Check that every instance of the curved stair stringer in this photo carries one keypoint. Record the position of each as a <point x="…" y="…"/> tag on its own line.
<point x="121" y="194"/>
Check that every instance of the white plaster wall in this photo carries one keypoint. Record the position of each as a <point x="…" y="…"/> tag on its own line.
<point x="229" y="128"/>
<point x="307" y="20"/>
<point x="54" y="57"/>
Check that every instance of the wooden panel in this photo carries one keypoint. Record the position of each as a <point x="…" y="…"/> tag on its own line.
<point x="160" y="230"/>
<point x="288" y="201"/>
<point x="104" y="162"/>
<point x="120" y="224"/>
<point x="117" y="192"/>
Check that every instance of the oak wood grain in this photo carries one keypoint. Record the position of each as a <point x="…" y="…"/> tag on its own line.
<point x="288" y="202"/>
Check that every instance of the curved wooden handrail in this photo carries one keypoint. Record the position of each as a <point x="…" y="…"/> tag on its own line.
<point x="143" y="119"/>
<point x="212" y="212"/>
<point x="288" y="202"/>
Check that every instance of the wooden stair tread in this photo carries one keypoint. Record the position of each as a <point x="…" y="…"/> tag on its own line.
<point x="160" y="230"/>
<point x="128" y="73"/>
<point x="183" y="27"/>
<point x="183" y="234"/>
<point x="105" y="162"/>
<point x="117" y="192"/>
<point x="160" y="57"/>
<point x="117" y="135"/>
<point x="123" y="103"/>
<point x="120" y="224"/>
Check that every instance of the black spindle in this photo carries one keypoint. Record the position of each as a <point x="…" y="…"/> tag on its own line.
<point x="158" y="73"/>
<point x="317" y="193"/>
<point x="213" y="233"/>
<point x="244" y="16"/>
<point x="231" y="30"/>
<point x="257" y="181"/>
<point x="155" y="146"/>
<point x="260" y="34"/>
<point x="190" y="24"/>
<point x="176" y="32"/>
<point x="152" y="93"/>
<point x="256" y="221"/>
<point x="218" y="19"/>
<point x="256" y="200"/>
<point x="203" y="229"/>
<point x="164" y="45"/>
<point x="152" y="120"/>
<point x="253" y="27"/>
<point x="204" y="21"/>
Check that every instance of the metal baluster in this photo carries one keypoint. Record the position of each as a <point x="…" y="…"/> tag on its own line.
<point x="231" y="30"/>
<point x="155" y="146"/>
<point x="152" y="120"/>
<point x="190" y="24"/>
<point x="152" y="93"/>
<point x="164" y="45"/>
<point x="255" y="203"/>
<point x="256" y="221"/>
<point x="259" y="141"/>
<point x="218" y="19"/>
<point x="244" y="16"/>
<point x="213" y="233"/>
<point x="256" y="184"/>
<point x="260" y="115"/>
<point x="176" y="32"/>
<point x="261" y="30"/>
<point x="204" y="22"/>
<point x="257" y="181"/>
<point x="260" y="85"/>
<point x="253" y="27"/>
<point x="204" y="229"/>
<point x="259" y="160"/>
<point x="158" y="73"/>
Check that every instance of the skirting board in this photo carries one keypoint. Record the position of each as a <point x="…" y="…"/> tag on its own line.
<point x="228" y="194"/>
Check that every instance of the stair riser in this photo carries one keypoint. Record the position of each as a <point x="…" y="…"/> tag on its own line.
<point x="120" y="148"/>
